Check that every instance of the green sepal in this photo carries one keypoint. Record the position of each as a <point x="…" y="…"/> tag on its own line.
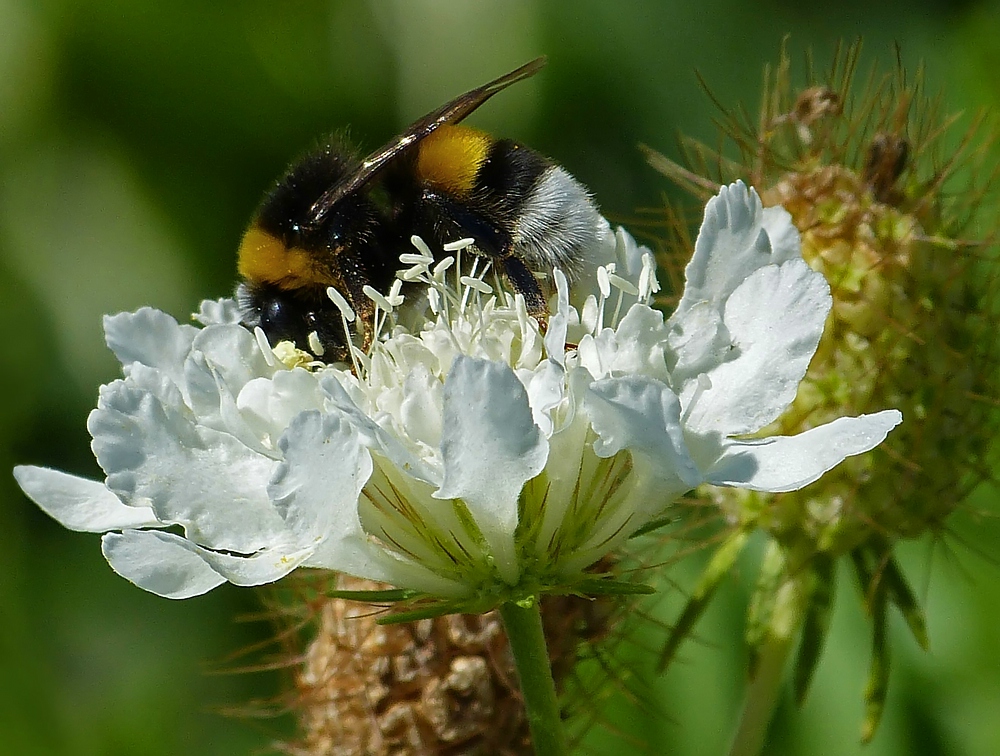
<point x="388" y="596"/>
<point x="816" y="623"/>
<point x="877" y="685"/>
<point x="903" y="597"/>
<point x="432" y="611"/>
<point x="717" y="568"/>
<point x="652" y="525"/>
<point x="608" y="587"/>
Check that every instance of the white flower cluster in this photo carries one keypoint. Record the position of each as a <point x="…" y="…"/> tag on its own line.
<point x="467" y="454"/>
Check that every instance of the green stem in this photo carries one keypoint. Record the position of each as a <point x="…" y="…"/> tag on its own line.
<point x="761" y="697"/>
<point x="531" y="657"/>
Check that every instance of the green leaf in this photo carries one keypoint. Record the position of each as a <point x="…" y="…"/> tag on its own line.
<point x="878" y="673"/>
<point x="903" y="597"/>
<point x="816" y="623"/>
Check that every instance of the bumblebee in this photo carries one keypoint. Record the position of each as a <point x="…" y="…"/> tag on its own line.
<point x="335" y="220"/>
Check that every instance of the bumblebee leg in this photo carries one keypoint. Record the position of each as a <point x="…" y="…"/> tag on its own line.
<point x="354" y="276"/>
<point x="364" y="312"/>
<point x="524" y="282"/>
<point x="453" y="219"/>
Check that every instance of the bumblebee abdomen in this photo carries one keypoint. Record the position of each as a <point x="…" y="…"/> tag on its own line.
<point x="557" y="223"/>
<point x="549" y="216"/>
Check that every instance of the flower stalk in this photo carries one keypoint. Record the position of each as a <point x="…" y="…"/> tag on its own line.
<point x="523" y="623"/>
<point x="762" y="693"/>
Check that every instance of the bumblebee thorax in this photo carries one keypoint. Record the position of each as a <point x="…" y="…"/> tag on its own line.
<point x="450" y="157"/>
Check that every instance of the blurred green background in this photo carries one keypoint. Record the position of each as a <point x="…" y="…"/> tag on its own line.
<point x="135" y="141"/>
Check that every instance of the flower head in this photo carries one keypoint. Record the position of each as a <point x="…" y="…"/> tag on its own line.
<point x="890" y="212"/>
<point x="468" y="454"/>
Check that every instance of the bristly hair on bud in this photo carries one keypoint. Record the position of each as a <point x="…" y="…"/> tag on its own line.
<point x="883" y="193"/>
<point x="441" y="685"/>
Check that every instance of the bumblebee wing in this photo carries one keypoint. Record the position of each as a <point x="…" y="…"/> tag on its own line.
<point x="451" y="112"/>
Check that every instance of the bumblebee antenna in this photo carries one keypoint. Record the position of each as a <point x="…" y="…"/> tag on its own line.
<point x="451" y="112"/>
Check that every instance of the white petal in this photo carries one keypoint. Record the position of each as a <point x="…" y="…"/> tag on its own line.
<point x="160" y="563"/>
<point x="227" y="354"/>
<point x="699" y="341"/>
<point x="775" y="320"/>
<point x="737" y="237"/>
<point x="80" y="504"/>
<point x="420" y="406"/>
<point x="787" y="463"/>
<point x="155" y="454"/>
<point x="546" y="389"/>
<point x="490" y="448"/>
<point x="156" y="382"/>
<point x="641" y="338"/>
<point x="371" y="435"/>
<point x="317" y="489"/>
<point x="786" y="242"/>
<point x="218" y="312"/>
<point x="555" y="336"/>
<point x="176" y="567"/>
<point x="732" y="243"/>
<point x="267" y="405"/>
<point x="149" y="337"/>
<point x="642" y="415"/>
<point x="597" y="353"/>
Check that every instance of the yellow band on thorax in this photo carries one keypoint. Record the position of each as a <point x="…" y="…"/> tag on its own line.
<point x="265" y="259"/>
<point x="450" y="157"/>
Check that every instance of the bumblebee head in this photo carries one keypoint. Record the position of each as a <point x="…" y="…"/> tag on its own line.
<point x="305" y="316"/>
<point x="287" y="263"/>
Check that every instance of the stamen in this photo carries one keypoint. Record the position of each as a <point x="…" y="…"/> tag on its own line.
<point x="358" y="356"/>
<point x="455" y="246"/>
<point x="604" y="281"/>
<point x="347" y="316"/>
<point x="441" y="267"/>
<point x="408" y="258"/>
<point x="461" y="283"/>
<point x="522" y="313"/>
<point x="704" y="384"/>
<point x="338" y="299"/>
<point x="412" y="274"/>
<point x="265" y="348"/>
<point x="645" y="278"/>
<point x="588" y="318"/>
<point x="314" y="344"/>
<point x="624" y="287"/>
<point x="623" y="284"/>
<point x="477" y="284"/>
<point x="377" y="298"/>
<point x="395" y="296"/>
<point x="421" y="245"/>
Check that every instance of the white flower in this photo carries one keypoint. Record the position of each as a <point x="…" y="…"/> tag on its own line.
<point x="466" y="455"/>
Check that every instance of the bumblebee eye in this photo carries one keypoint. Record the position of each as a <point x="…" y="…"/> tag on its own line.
<point x="277" y="319"/>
